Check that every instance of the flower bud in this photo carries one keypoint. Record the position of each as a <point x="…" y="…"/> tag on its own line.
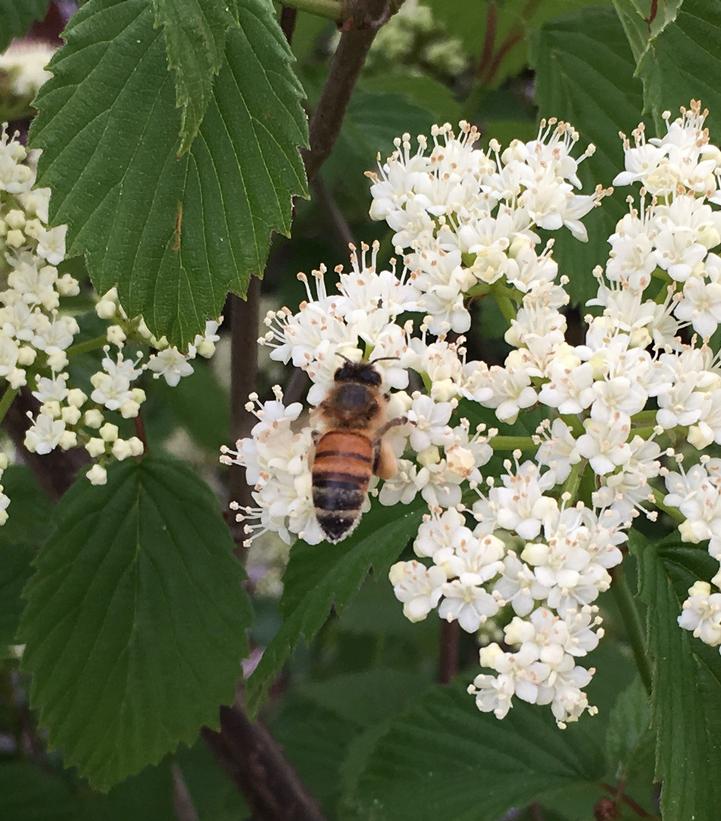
<point x="97" y="475"/>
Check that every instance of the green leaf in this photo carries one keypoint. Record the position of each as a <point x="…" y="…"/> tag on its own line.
<point x="686" y="701"/>
<point x="214" y="795"/>
<point x="135" y="621"/>
<point x="628" y="735"/>
<point x="30" y="513"/>
<point x="584" y="74"/>
<point x="319" y="721"/>
<point x="194" y="32"/>
<point x="320" y="577"/>
<point x="175" y="235"/>
<point x="16" y="17"/>
<point x="30" y="794"/>
<point x="147" y="795"/>
<point x="679" y="56"/>
<point x="445" y="759"/>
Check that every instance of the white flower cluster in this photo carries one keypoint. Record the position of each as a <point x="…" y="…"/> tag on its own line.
<point x="466" y="217"/>
<point x="22" y="68"/>
<point x="37" y="338"/>
<point x="539" y="541"/>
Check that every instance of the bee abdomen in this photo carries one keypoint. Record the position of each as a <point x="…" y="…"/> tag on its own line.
<point x="341" y="472"/>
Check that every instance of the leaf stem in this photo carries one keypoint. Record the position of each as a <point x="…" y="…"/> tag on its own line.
<point x="330" y="9"/>
<point x="632" y="621"/>
<point x="87" y="346"/>
<point x="573" y="482"/>
<point x="512" y="443"/>
<point x="7" y="399"/>
<point x="505" y="305"/>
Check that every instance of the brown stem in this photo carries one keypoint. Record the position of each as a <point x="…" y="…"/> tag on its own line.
<point x="140" y="431"/>
<point x="288" y="18"/>
<point x="182" y="799"/>
<point x="489" y="39"/>
<point x="653" y="11"/>
<point x="55" y="471"/>
<point x="244" y="329"/>
<point x="362" y="20"/>
<point x="448" y="660"/>
<point x="257" y="765"/>
<point x="630" y="803"/>
<point x="513" y="38"/>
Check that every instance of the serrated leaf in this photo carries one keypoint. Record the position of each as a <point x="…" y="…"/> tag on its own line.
<point x="16" y="17"/>
<point x="686" y="700"/>
<point x="628" y="733"/>
<point x="445" y="759"/>
<point x="175" y="235"/>
<point x="320" y="577"/>
<point x="584" y="74"/>
<point x="679" y="56"/>
<point x="195" y="32"/>
<point x="135" y="620"/>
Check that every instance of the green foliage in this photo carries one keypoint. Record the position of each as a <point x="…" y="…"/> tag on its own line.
<point x="19" y="537"/>
<point x="135" y="619"/>
<point x="174" y="234"/>
<point x="321" y="720"/>
<point x="214" y="796"/>
<point x="195" y="34"/>
<point x="16" y="17"/>
<point x="443" y="758"/>
<point x="677" y="57"/>
<point x="686" y="696"/>
<point x="325" y="576"/>
<point x="29" y="794"/>
<point x="584" y="74"/>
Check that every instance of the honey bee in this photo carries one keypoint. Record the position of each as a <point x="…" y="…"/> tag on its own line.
<point x="351" y="448"/>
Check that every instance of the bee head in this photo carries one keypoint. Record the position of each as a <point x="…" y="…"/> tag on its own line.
<point x="362" y="372"/>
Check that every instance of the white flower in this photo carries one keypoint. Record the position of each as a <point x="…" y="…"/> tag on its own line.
<point x="604" y="443"/>
<point x="467" y="603"/>
<point x="44" y="435"/>
<point x="419" y="588"/>
<point x="171" y="365"/>
<point x="702" y="613"/>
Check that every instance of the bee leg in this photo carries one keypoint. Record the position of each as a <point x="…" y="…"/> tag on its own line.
<point x="399" y="420"/>
<point x="385" y="464"/>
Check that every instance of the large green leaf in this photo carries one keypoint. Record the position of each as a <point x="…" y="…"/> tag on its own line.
<point x="319" y="721"/>
<point x="16" y="17"/>
<point x="195" y="33"/>
<point x="135" y="621"/>
<point x="30" y="515"/>
<point x="445" y="759"/>
<point x="678" y="56"/>
<point x="584" y="74"/>
<point x="686" y="701"/>
<point x="320" y="577"/>
<point x="174" y="234"/>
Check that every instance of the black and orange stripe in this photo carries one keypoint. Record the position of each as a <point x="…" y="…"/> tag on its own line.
<point x="341" y="472"/>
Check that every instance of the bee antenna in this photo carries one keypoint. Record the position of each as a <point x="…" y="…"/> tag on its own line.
<point x="383" y="359"/>
<point x="343" y="356"/>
